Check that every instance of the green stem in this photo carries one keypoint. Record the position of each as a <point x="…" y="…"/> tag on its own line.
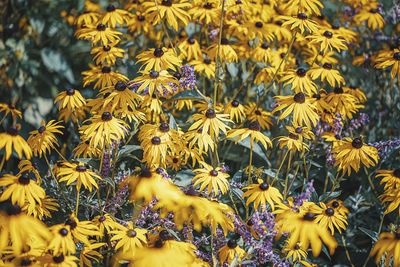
<point x="280" y="167"/>
<point x="3" y="160"/>
<point x="218" y="60"/>
<point x="59" y="153"/>
<point x="347" y="252"/>
<point x="287" y="176"/>
<point x="250" y="172"/>
<point x="77" y="202"/>
<point x="165" y="28"/>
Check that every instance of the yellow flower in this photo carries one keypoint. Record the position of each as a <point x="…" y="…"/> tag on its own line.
<point x="229" y="252"/>
<point x="122" y="98"/>
<point x="103" y="130"/>
<point x="388" y="59"/>
<point x="138" y="23"/>
<point x="10" y="109"/>
<point x="304" y="112"/>
<point x="306" y="6"/>
<point x="190" y="49"/>
<point x="236" y="111"/>
<point x="304" y="132"/>
<point x="172" y="10"/>
<point x="372" y="17"/>
<point x="300" y="22"/>
<point x="105" y="223"/>
<point x="253" y="131"/>
<point x="43" y="209"/>
<point x="211" y="123"/>
<point x="202" y="141"/>
<point x="99" y="33"/>
<point x="70" y="99"/>
<point x="259" y="29"/>
<point x="262" y="193"/>
<point x="213" y="178"/>
<point x="29" y="167"/>
<point x="259" y="115"/>
<point x="114" y="16"/>
<point x="79" y="173"/>
<point x="89" y="254"/>
<point x="300" y="80"/>
<point x="350" y="153"/>
<point x="18" y="228"/>
<point x="206" y="12"/>
<point x="388" y="245"/>
<point x="158" y="59"/>
<point x="205" y="66"/>
<point x="295" y="252"/>
<point x="303" y="228"/>
<point x="82" y="230"/>
<point x="155" y="83"/>
<point x="328" y="41"/>
<point x="328" y="218"/>
<point x="10" y="140"/>
<point x="20" y="189"/>
<point x="85" y="150"/>
<point x="62" y="241"/>
<point x="226" y="51"/>
<point x="60" y="260"/>
<point x="262" y="53"/>
<point x="129" y="238"/>
<point x="107" y="55"/>
<point x="43" y="139"/>
<point x="327" y="73"/>
<point x="338" y="206"/>
<point x="293" y="142"/>
<point x="390" y="178"/>
<point x="102" y="77"/>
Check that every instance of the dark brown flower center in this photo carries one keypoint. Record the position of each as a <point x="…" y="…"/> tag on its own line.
<point x="317" y="96"/>
<point x="131" y="233"/>
<point x="63" y="232"/>
<point x="106" y="48"/>
<point x="210" y="114"/>
<point x="106" y="116"/>
<point x="357" y="143"/>
<point x="208" y="5"/>
<point x="101" y="27"/>
<point x="232" y="243"/>
<point x="191" y="40"/>
<point x="301" y="72"/>
<point x="159" y="243"/>
<point x="141" y="18"/>
<point x="328" y="34"/>
<point x="264" y="186"/>
<point x="41" y="129"/>
<point x="164" y="235"/>
<point x="158" y="52"/>
<point x="145" y="173"/>
<point x="259" y="24"/>
<point x="397" y="235"/>
<point x="309" y="216"/>
<point x="224" y="41"/>
<point x="25" y="262"/>
<point x="110" y="8"/>
<point x="327" y="66"/>
<point x="24" y="179"/>
<point x="335" y="204"/>
<point x="156" y="140"/>
<point x="396" y="56"/>
<point x="166" y="2"/>
<point x="235" y="103"/>
<point x="58" y="259"/>
<point x="396" y="173"/>
<point x="302" y="16"/>
<point x="12" y="131"/>
<point x="10" y="209"/>
<point x="329" y="211"/>
<point x="299" y="98"/>
<point x="72" y="223"/>
<point x="255" y="126"/>
<point x="258" y="112"/>
<point x="293" y="136"/>
<point x="70" y="91"/>
<point x="102" y="218"/>
<point x="164" y="127"/>
<point x="80" y="168"/>
<point x="338" y="90"/>
<point x="207" y="61"/>
<point x="214" y="173"/>
<point x="154" y="74"/>
<point x="175" y="160"/>
<point x="120" y="86"/>
<point x="264" y="46"/>
<point x="106" y="69"/>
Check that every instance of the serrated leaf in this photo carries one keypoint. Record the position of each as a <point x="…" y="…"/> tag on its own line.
<point x="373" y="235"/>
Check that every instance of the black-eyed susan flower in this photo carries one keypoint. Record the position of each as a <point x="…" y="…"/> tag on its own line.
<point x="158" y="59"/>
<point x="43" y="209"/>
<point x="82" y="230"/>
<point x="350" y="153"/>
<point x="211" y="178"/>
<point x="205" y="66"/>
<point x="99" y="33"/>
<point x="107" y="55"/>
<point x="295" y="253"/>
<point x="258" y="114"/>
<point x="114" y="16"/>
<point x="62" y="241"/>
<point x="10" y="109"/>
<point x="155" y="151"/>
<point x="211" y="123"/>
<point x="121" y="98"/>
<point x="235" y="110"/>
<point x="173" y="11"/>
<point x="387" y="246"/>
<point x="102" y="77"/>
<point x="129" y="238"/>
<point x="89" y="254"/>
<point x="102" y="130"/>
<point x="190" y="49"/>
<point x="388" y="59"/>
<point x="304" y="112"/>
<point x="328" y="40"/>
<point x="226" y="51"/>
<point x="328" y="218"/>
<point x="391" y="196"/>
<point x="18" y="228"/>
<point x="303" y="131"/>
<point x="43" y="139"/>
<point x="60" y="260"/>
<point x="11" y="140"/>
<point x="262" y="53"/>
<point x="71" y="172"/>
<point x="300" y="81"/>
<point x="27" y="166"/>
<point x="307" y="6"/>
<point x="21" y="189"/>
<point x="138" y="23"/>
<point x="230" y="251"/>
<point x="85" y="150"/>
<point x="70" y="99"/>
<point x="105" y="223"/>
<point x="254" y="132"/>
<point x="338" y="206"/>
<point x="300" y="22"/>
<point x="390" y="178"/>
<point x="327" y="73"/>
<point x="155" y="83"/>
<point x="202" y="141"/>
<point x="259" y="29"/>
<point x="303" y="228"/>
<point x="293" y="142"/>
<point x="262" y="193"/>
<point x="371" y="16"/>
<point x="357" y="92"/>
<point x="206" y="12"/>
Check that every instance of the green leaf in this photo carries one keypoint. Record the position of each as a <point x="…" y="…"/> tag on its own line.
<point x="184" y="178"/>
<point x="128" y="149"/>
<point x="326" y="252"/>
<point x="256" y="148"/>
<point x="329" y="195"/>
<point x="188" y="95"/>
<point x="373" y="235"/>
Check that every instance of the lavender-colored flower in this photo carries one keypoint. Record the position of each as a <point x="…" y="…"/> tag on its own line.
<point x="356" y="124"/>
<point x="385" y="148"/>
<point x="186" y="77"/>
<point x="337" y="125"/>
<point x="304" y="196"/>
<point x="330" y="159"/>
<point x="106" y="164"/>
